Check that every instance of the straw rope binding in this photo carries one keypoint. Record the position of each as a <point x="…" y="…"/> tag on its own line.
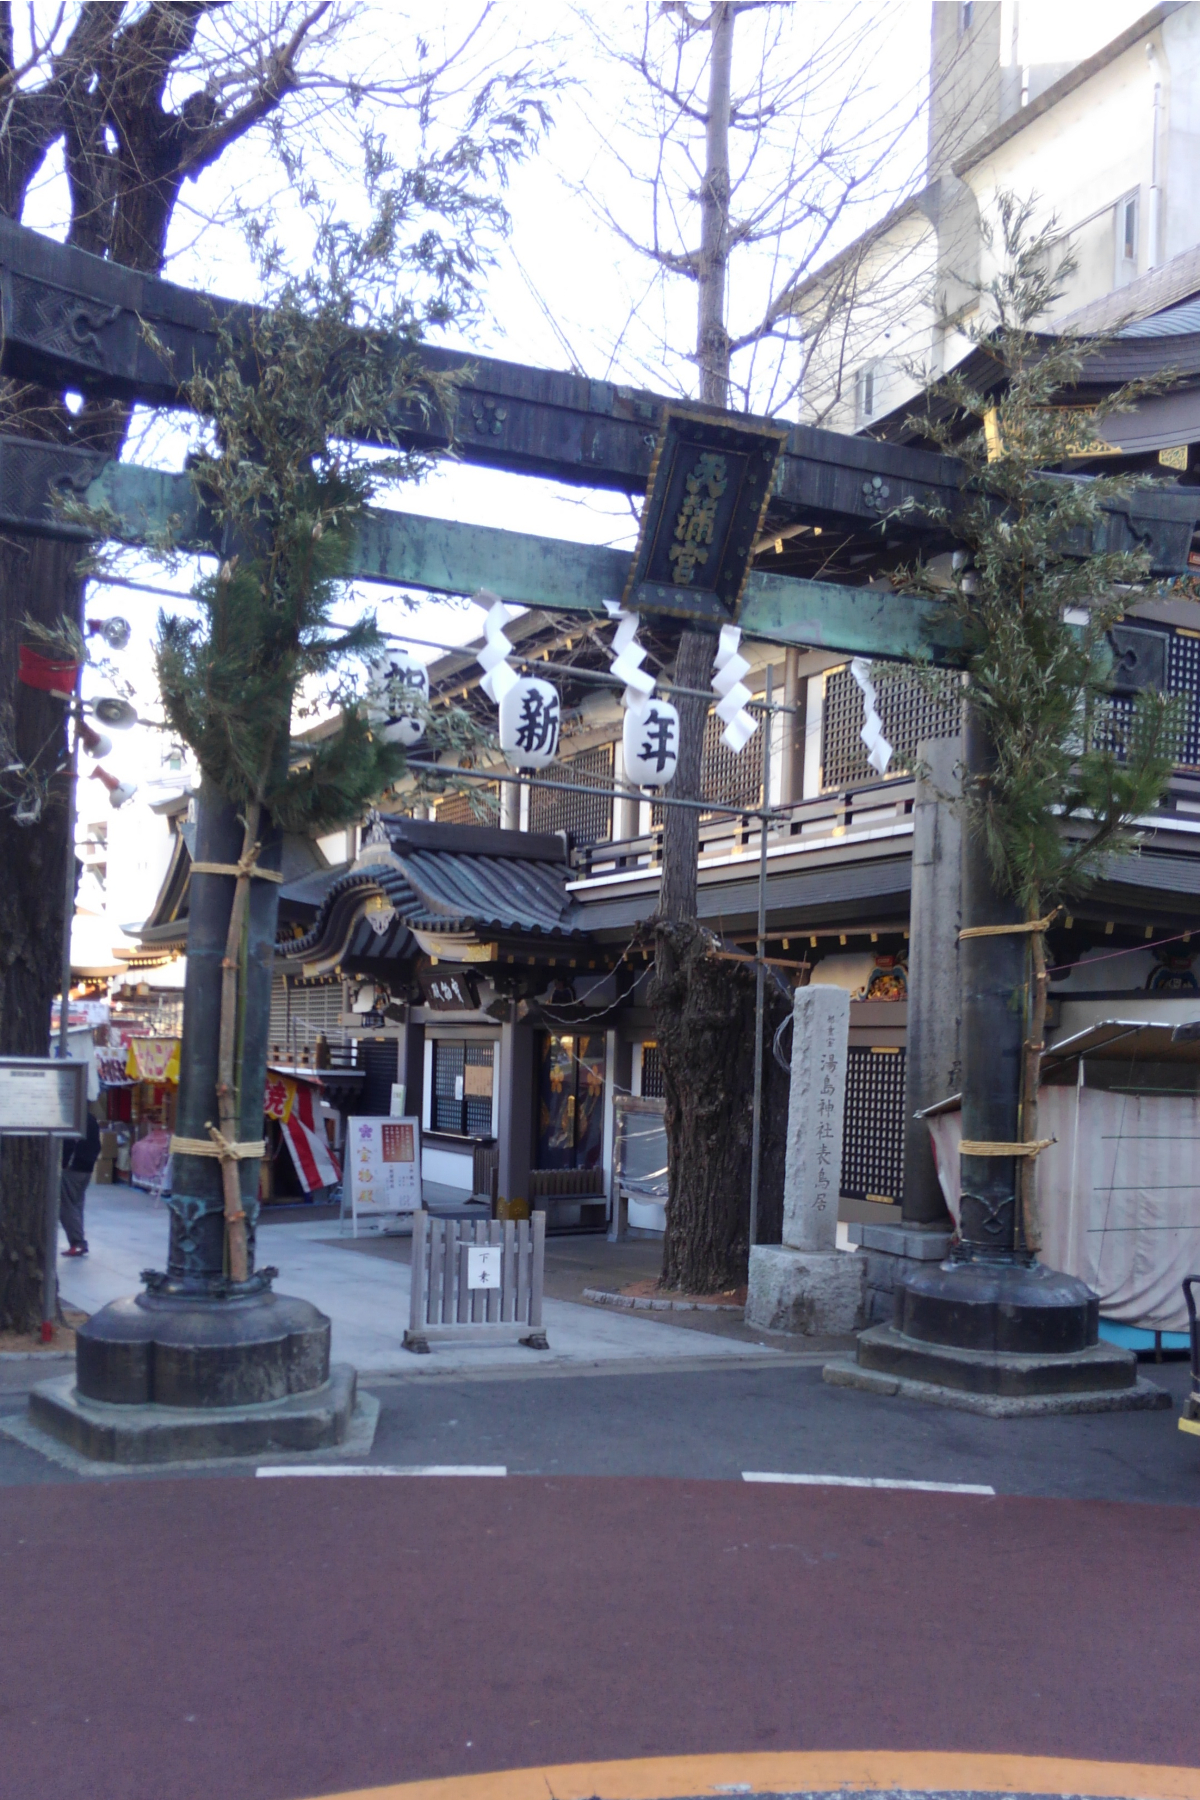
<point x="973" y="931"/>
<point x="986" y="1147"/>
<point x="216" y="1144"/>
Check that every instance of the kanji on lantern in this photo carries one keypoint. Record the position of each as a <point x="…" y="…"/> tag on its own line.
<point x="650" y="740"/>
<point x="397" y="697"/>
<point x="529" y="723"/>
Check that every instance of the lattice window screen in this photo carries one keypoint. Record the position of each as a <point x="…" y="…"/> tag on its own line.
<point x="732" y="780"/>
<point x="588" y="817"/>
<point x="1183" y="677"/>
<point x="873" y="1133"/>
<point x="448" y="1081"/>
<point x="480" y="807"/>
<point x="1113" y="714"/>
<point x="909" y="713"/>
<point x="652" y="1075"/>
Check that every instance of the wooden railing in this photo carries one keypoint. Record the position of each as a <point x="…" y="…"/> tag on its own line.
<point x="836" y="814"/>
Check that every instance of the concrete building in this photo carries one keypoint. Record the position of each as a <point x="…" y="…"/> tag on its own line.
<point x="1104" y="144"/>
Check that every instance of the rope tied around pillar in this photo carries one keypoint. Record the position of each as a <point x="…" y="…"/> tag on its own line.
<point x="1024" y="925"/>
<point x="988" y="1147"/>
<point x="226" y="1151"/>
<point x="246" y="865"/>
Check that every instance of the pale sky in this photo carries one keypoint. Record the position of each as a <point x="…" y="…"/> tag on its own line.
<point x="565" y="288"/>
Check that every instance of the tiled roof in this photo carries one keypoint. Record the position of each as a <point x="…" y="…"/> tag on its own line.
<point x="434" y="880"/>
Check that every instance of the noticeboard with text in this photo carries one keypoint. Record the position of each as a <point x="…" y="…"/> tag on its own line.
<point x="383" y="1167"/>
<point x="42" y="1094"/>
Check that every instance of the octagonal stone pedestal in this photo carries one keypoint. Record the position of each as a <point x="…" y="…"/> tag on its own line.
<point x="171" y="1377"/>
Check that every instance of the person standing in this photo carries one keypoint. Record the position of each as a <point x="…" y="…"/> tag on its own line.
<point x="79" y="1159"/>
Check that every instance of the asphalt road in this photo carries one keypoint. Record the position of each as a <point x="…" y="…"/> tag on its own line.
<point x="716" y="1423"/>
<point x="621" y="1595"/>
<point x="275" y="1640"/>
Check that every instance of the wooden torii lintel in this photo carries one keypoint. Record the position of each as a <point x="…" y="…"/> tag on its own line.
<point x="442" y="556"/>
<point x="75" y="320"/>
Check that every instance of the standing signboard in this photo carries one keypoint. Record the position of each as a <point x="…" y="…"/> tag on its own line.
<point x="383" y="1168"/>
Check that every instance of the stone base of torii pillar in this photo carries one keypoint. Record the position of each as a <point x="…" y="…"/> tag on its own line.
<point x="806" y="1285"/>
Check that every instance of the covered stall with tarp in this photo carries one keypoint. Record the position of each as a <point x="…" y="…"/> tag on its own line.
<point x="295" y="1118"/>
<point x="1119" y="1185"/>
<point x="639" y="1166"/>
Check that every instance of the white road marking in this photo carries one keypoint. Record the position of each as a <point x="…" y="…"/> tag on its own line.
<point x="382" y="1469"/>
<point x="869" y="1481"/>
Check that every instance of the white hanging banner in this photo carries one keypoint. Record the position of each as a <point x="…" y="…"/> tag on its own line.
<point x="529" y="723"/>
<point x="397" y="697"/>
<point x="650" y="741"/>
<point x="879" y="751"/>
<point x="732" y="694"/>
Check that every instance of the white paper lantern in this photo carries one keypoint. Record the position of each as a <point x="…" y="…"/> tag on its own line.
<point x="529" y="722"/>
<point x="397" y="696"/>
<point x="651" y="743"/>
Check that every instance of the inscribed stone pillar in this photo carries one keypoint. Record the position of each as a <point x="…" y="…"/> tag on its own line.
<point x="805" y="1285"/>
<point x="816" y="1108"/>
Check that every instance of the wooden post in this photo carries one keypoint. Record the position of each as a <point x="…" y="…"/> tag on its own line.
<point x="417" y="1306"/>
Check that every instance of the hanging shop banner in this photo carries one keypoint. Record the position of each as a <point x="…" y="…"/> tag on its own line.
<point x="153" y="1059"/>
<point x="294" y="1104"/>
<point x="383" y="1167"/>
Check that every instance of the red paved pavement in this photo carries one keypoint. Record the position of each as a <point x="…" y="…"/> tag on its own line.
<point x="283" y="1639"/>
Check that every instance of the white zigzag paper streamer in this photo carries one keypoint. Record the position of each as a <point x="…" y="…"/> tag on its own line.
<point x="732" y="694"/>
<point x="498" y="677"/>
<point x="879" y="751"/>
<point x="628" y="656"/>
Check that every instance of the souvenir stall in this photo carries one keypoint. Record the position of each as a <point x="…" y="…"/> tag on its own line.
<point x="152" y="1068"/>
<point x="299" y="1129"/>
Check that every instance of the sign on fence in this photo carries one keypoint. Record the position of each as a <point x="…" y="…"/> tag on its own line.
<point x="480" y="1283"/>
<point x="383" y="1168"/>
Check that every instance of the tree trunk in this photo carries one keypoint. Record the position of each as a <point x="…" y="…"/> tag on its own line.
<point x="37" y="579"/>
<point x="681" y="825"/>
<point x="704" y="1009"/>
<point x="712" y="341"/>
<point x="703" y="1005"/>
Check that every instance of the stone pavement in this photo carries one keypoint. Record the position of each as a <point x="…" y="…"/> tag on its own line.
<point x="366" y="1296"/>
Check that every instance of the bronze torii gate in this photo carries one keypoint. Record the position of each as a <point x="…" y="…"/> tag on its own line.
<point x="72" y="319"/>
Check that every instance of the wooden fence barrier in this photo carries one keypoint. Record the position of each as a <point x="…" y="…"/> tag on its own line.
<point x="446" y="1306"/>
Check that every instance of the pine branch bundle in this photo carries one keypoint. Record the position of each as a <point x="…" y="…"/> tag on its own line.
<point x="1034" y="601"/>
